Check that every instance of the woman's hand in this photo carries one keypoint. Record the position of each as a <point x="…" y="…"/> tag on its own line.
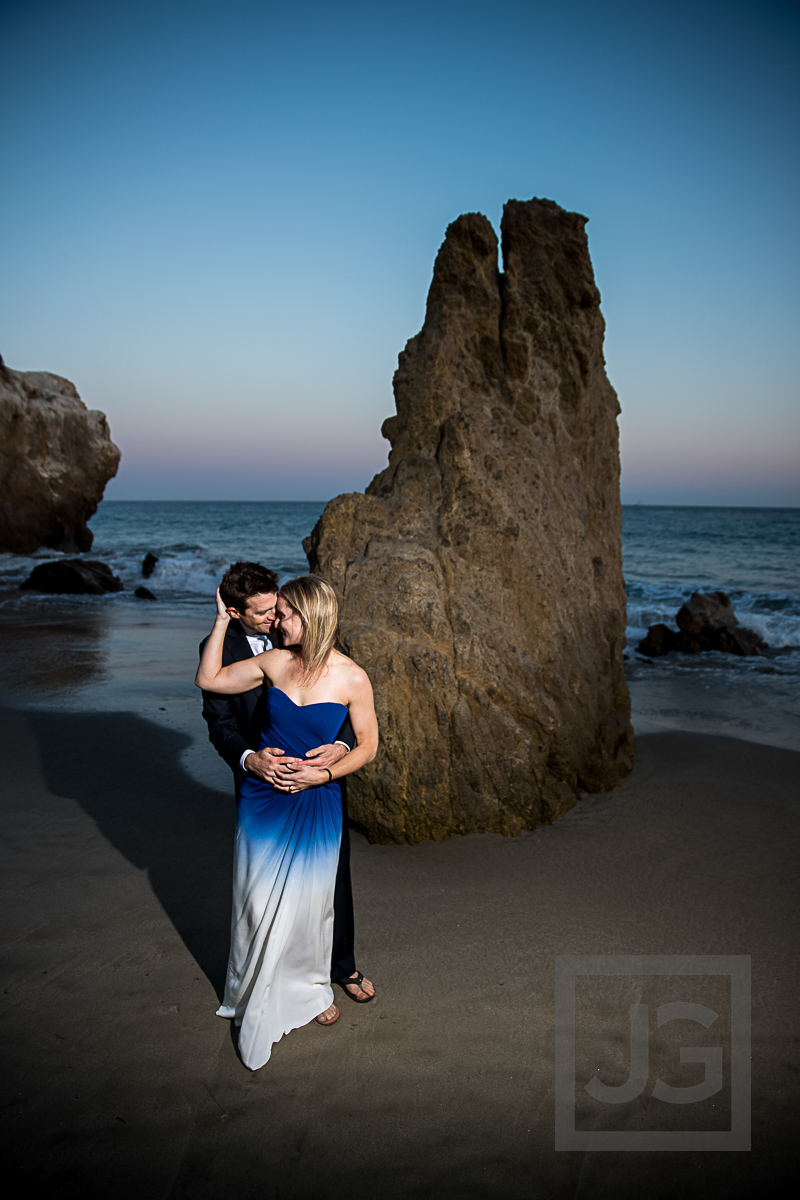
<point x="294" y="775"/>
<point x="236" y="677"/>
<point x="222" y="612"/>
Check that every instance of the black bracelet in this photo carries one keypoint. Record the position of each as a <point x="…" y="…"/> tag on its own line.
<point x="330" y="777"/>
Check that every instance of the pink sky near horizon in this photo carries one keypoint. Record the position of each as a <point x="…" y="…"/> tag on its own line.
<point x="667" y="470"/>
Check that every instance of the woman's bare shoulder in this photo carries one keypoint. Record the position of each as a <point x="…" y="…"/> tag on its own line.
<point x="274" y="662"/>
<point x="355" y="675"/>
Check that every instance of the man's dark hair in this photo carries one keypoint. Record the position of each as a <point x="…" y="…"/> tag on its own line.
<point x="243" y="580"/>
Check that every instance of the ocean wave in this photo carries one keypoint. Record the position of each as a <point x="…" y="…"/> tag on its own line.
<point x="190" y="571"/>
<point x="184" y="571"/>
<point x="775" y="616"/>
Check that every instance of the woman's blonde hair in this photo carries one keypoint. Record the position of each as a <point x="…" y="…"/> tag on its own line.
<point x="314" y="601"/>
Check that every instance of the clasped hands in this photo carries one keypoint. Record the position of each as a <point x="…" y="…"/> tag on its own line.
<point x="293" y="774"/>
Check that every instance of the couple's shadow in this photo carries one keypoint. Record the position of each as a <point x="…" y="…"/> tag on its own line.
<point x="126" y="773"/>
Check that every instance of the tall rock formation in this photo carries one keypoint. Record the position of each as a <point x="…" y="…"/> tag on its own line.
<point x="56" y="457"/>
<point x="480" y="576"/>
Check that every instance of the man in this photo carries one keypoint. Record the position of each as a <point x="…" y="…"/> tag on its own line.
<point x="250" y="592"/>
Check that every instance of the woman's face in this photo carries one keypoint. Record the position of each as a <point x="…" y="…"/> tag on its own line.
<point x="289" y="624"/>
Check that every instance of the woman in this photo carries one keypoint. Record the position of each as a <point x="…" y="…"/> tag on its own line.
<point x="287" y="835"/>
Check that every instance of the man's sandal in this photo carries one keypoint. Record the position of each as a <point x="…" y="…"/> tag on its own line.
<point x="324" y="1019"/>
<point x="354" y="981"/>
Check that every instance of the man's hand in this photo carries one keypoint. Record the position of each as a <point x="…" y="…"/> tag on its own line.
<point x="326" y="756"/>
<point x="264" y="764"/>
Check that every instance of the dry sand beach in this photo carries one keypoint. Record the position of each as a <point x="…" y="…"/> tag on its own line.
<point x="116" y="870"/>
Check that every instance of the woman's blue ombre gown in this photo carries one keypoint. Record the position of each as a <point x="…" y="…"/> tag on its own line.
<point x="284" y="871"/>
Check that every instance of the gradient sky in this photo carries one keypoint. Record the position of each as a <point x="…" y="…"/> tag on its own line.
<point x="220" y="219"/>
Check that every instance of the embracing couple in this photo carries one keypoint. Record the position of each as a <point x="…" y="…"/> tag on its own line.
<point x="292" y="716"/>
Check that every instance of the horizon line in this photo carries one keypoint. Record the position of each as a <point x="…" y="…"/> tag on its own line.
<point x="625" y="503"/>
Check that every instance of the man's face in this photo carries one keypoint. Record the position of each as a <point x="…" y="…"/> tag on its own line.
<point x="258" y="614"/>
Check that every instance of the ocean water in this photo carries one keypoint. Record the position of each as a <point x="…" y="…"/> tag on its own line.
<point x="194" y="541"/>
<point x="752" y="554"/>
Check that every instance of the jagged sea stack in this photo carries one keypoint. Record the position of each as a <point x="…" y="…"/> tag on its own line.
<point x="56" y="457"/>
<point x="480" y="576"/>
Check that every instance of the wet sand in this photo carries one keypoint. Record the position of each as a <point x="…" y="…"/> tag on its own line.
<point x="120" y="1080"/>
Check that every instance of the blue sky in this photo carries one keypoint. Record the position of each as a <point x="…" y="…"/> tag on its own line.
<point x="220" y="221"/>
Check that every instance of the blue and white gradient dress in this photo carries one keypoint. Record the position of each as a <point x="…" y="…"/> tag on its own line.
<point x="284" y="871"/>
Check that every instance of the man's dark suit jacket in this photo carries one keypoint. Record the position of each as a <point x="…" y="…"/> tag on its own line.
<point x="235" y="724"/>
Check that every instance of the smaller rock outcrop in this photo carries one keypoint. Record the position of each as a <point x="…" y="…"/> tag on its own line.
<point x="73" y="576"/>
<point x="149" y="563"/>
<point x="143" y="593"/>
<point x="706" y="622"/>
<point x="742" y="641"/>
<point x="660" y="640"/>
<point x="705" y="611"/>
<point x="56" y="457"/>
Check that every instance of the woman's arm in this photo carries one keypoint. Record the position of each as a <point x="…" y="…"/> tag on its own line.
<point x="231" y="680"/>
<point x="361" y="710"/>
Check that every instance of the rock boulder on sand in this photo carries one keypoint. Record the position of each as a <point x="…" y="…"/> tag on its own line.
<point x="56" y="457"/>
<point x="480" y="576"/>
<point x="77" y="576"/>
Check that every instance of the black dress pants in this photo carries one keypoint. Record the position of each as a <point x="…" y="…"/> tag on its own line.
<point x="343" y="962"/>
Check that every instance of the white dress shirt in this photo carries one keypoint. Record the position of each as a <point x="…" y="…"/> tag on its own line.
<point x="259" y="642"/>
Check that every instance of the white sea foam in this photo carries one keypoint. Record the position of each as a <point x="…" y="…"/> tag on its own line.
<point x="193" y="572"/>
<point x="190" y="572"/>
<point x="187" y="573"/>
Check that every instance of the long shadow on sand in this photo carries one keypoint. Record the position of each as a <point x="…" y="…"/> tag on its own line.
<point x="126" y="773"/>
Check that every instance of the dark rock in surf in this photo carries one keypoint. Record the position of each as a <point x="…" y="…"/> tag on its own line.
<point x="149" y="564"/>
<point x="741" y="641"/>
<point x="706" y="622"/>
<point x="660" y="640"/>
<point x="73" y="576"/>
<point x="143" y="593"/>
<point x="704" y="611"/>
